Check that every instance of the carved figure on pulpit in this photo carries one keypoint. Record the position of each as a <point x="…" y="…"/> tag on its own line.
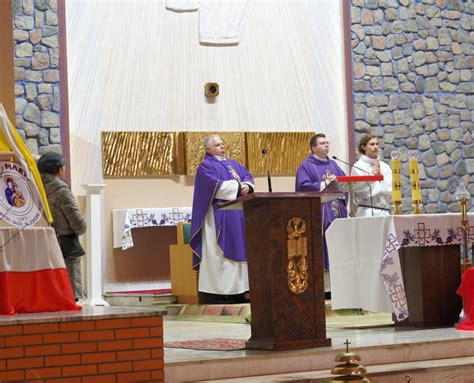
<point x="297" y="268"/>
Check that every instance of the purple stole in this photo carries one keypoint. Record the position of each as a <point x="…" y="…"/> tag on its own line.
<point x="309" y="176"/>
<point x="229" y="223"/>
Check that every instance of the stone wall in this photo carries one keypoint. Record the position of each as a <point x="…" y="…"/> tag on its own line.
<point x="413" y="65"/>
<point x="413" y="85"/>
<point x="36" y="55"/>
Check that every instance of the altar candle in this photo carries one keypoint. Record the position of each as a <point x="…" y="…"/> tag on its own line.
<point x="396" y="181"/>
<point x="415" y="180"/>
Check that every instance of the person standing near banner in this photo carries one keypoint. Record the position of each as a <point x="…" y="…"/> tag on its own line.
<point x="67" y="219"/>
<point x="217" y="236"/>
<point x="372" y="198"/>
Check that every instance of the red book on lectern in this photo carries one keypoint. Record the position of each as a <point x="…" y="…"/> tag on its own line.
<point x="366" y="178"/>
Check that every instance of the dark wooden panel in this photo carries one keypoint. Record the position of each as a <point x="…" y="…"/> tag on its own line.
<point x="148" y="259"/>
<point x="432" y="275"/>
<point x="282" y="319"/>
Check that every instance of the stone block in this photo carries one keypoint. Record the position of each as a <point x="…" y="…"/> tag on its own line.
<point x="32" y="145"/>
<point x="23" y="22"/>
<point x="32" y="113"/>
<point x="49" y="119"/>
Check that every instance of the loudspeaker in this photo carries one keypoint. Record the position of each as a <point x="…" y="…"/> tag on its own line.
<point x="211" y="89"/>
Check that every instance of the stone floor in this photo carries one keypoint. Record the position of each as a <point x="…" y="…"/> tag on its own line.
<point x="383" y="350"/>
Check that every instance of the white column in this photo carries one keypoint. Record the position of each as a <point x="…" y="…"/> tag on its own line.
<point x="94" y="244"/>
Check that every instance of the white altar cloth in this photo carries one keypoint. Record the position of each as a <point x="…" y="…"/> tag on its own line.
<point x="124" y="220"/>
<point x="357" y="247"/>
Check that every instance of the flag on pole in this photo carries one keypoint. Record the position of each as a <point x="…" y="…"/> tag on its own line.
<point x="11" y="141"/>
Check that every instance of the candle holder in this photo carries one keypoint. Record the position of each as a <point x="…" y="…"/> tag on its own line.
<point x="397" y="210"/>
<point x="396" y="183"/>
<point x="463" y="196"/>
<point x="418" y="207"/>
<point x="415" y="182"/>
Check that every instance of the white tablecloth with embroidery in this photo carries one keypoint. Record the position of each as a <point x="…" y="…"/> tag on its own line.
<point x="124" y="220"/>
<point x="363" y="256"/>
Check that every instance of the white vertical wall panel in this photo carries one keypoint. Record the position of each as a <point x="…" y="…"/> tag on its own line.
<point x="133" y="65"/>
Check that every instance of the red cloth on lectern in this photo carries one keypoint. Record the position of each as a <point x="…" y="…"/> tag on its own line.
<point x="466" y="291"/>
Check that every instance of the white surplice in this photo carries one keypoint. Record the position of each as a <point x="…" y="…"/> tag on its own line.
<point x="377" y="194"/>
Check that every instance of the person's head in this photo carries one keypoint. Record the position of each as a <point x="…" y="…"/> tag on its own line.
<point x="9" y="182"/>
<point x="369" y="145"/>
<point x="319" y="145"/>
<point x="51" y="163"/>
<point x="214" y="145"/>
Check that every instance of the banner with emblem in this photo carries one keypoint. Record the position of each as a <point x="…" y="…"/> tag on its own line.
<point x="30" y="257"/>
<point x="21" y="179"/>
<point x="19" y="203"/>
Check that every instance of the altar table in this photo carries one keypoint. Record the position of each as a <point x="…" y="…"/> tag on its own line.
<point x="124" y="220"/>
<point x="33" y="276"/>
<point x="364" y="261"/>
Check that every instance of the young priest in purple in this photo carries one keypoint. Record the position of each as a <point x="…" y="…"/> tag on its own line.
<point x="217" y="236"/>
<point x="315" y="174"/>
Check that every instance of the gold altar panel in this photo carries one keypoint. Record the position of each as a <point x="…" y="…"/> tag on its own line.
<point x="142" y="154"/>
<point x="194" y="151"/>
<point x="284" y="152"/>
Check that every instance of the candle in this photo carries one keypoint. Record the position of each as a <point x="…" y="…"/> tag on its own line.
<point x="396" y="178"/>
<point x="415" y="180"/>
<point x="396" y="181"/>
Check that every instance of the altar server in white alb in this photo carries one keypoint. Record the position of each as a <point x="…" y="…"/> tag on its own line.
<point x="372" y="198"/>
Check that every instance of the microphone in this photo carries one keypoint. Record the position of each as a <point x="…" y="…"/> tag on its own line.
<point x="351" y="165"/>
<point x="368" y="183"/>
<point x="269" y="180"/>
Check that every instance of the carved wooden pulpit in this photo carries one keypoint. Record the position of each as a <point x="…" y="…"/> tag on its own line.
<point x="284" y="254"/>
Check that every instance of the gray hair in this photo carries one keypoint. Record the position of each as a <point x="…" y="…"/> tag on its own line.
<point x="208" y="141"/>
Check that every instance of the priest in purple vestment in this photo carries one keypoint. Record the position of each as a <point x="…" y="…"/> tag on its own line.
<point x="217" y="236"/>
<point x="316" y="173"/>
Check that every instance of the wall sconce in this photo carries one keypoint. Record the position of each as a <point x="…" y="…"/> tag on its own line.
<point x="211" y="89"/>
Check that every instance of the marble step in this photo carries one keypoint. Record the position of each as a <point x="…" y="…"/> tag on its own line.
<point x="139" y="300"/>
<point x="433" y="371"/>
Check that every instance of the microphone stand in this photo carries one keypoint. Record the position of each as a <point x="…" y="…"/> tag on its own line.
<point x="269" y="180"/>
<point x="368" y="183"/>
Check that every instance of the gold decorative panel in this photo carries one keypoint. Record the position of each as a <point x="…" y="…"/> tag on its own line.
<point x="284" y="152"/>
<point x="149" y="154"/>
<point x="297" y="246"/>
<point x="194" y="151"/>
<point x="142" y="154"/>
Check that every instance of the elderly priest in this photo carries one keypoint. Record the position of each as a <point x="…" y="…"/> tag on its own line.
<point x="217" y="236"/>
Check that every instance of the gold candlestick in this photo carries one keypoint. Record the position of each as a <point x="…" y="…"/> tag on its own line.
<point x="415" y="182"/>
<point x="463" y="196"/>
<point x="396" y="182"/>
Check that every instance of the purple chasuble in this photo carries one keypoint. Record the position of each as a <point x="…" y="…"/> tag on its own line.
<point x="309" y="176"/>
<point x="229" y="223"/>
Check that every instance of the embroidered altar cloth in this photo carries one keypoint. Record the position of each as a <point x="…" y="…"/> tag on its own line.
<point x="365" y="267"/>
<point x="124" y="220"/>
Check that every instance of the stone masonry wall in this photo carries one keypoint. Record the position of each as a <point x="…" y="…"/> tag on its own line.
<point x="36" y="52"/>
<point x="413" y="86"/>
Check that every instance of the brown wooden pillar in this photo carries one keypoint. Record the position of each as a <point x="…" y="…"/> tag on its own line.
<point x="7" y="73"/>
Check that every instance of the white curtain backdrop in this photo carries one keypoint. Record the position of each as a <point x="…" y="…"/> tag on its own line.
<point x="135" y="66"/>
